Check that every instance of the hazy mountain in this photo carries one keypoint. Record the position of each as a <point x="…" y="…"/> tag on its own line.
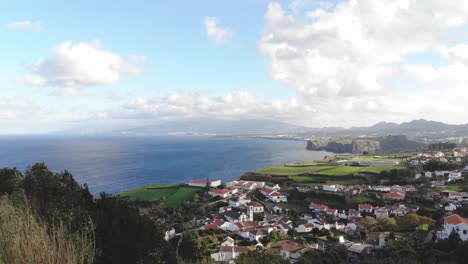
<point x="220" y="127"/>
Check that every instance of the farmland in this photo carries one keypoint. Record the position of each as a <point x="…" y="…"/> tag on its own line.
<point x="173" y="195"/>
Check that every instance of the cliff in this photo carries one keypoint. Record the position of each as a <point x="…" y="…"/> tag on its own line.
<point x="359" y="146"/>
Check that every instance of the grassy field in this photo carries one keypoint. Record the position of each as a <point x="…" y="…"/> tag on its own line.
<point x="296" y="169"/>
<point x="175" y="195"/>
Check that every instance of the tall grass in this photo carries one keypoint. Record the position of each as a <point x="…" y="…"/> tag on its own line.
<point x="24" y="238"/>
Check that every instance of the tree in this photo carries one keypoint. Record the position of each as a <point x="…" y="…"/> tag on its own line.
<point x="367" y="223"/>
<point x="253" y="257"/>
<point x="387" y="224"/>
<point x="10" y="180"/>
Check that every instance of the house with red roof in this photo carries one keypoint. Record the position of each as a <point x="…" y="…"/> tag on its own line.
<point x="454" y="223"/>
<point x="204" y="183"/>
<point x="365" y="208"/>
<point x="224" y="193"/>
<point x="317" y="207"/>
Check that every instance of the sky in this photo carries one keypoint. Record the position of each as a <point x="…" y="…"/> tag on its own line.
<point x="84" y="65"/>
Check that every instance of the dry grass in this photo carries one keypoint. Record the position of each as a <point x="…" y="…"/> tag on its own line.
<point x="26" y="239"/>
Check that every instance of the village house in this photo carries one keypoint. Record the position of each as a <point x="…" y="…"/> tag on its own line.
<point x="365" y="208"/>
<point x="304" y="228"/>
<point x="330" y="187"/>
<point x="455" y="196"/>
<point x="428" y="174"/>
<point x="239" y="201"/>
<point x="331" y="212"/>
<point x="352" y="214"/>
<point x="318" y="208"/>
<point x="277" y="197"/>
<point x="223" y="193"/>
<point x="256" y="207"/>
<point x="454" y="223"/>
<point x="381" y="188"/>
<point x="228" y="242"/>
<point x="204" y="183"/>
<point x="379" y="213"/>
<point x="292" y="251"/>
<point x="226" y="253"/>
<point x="246" y="185"/>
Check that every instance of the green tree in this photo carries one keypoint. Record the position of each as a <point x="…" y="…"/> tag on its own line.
<point x="10" y="180"/>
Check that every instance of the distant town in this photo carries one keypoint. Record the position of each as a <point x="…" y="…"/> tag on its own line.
<point x="358" y="204"/>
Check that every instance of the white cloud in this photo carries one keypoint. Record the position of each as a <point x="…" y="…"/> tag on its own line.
<point x="75" y="67"/>
<point x="26" y="25"/>
<point x="342" y="60"/>
<point x="215" y="33"/>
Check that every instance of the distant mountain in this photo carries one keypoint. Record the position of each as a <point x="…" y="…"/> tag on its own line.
<point x="220" y="127"/>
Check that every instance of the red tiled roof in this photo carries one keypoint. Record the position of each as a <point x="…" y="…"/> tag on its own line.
<point x="199" y="181"/>
<point x="318" y="206"/>
<point x="219" y="191"/>
<point x="265" y="190"/>
<point x="455" y="194"/>
<point x="276" y="194"/>
<point x="210" y="226"/>
<point x="455" y="220"/>
<point x="331" y="210"/>
<point x="365" y="206"/>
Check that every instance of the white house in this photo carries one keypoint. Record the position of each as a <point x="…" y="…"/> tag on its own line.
<point x="455" y="196"/>
<point x="428" y="174"/>
<point x="224" y="193"/>
<point x="440" y="173"/>
<point x="381" y="188"/>
<point x="454" y="223"/>
<point x="317" y="207"/>
<point x="305" y="228"/>
<point x="204" y="183"/>
<point x="380" y="213"/>
<point x="365" y="208"/>
<point x="227" y="253"/>
<point x="450" y="207"/>
<point x="257" y="207"/>
<point x="277" y="197"/>
<point x="330" y="187"/>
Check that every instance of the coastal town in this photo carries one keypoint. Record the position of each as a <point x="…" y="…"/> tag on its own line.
<point x="293" y="220"/>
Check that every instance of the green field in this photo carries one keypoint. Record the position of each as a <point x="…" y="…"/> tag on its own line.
<point x="296" y="169"/>
<point x="174" y="195"/>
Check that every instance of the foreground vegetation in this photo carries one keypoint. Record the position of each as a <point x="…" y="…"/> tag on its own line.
<point x="48" y="217"/>
<point x="24" y="238"/>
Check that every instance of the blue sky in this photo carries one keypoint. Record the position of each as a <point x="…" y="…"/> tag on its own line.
<point x="298" y="61"/>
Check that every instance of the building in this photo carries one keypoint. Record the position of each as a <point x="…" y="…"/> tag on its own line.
<point x="380" y="213"/>
<point x="305" y="228"/>
<point x="226" y="253"/>
<point x="223" y="193"/>
<point x="330" y="188"/>
<point x="317" y="207"/>
<point x="204" y="183"/>
<point x="277" y="197"/>
<point x="256" y="207"/>
<point x="365" y="208"/>
<point x="454" y="223"/>
<point x="455" y="196"/>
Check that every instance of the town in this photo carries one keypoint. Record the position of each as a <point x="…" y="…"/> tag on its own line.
<point x="428" y="205"/>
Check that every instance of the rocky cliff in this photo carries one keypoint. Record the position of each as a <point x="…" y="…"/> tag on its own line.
<point x="359" y="146"/>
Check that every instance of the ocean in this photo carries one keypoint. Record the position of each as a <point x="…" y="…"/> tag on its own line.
<point x="121" y="163"/>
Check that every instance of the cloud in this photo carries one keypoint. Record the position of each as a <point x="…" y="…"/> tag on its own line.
<point x="349" y="60"/>
<point x="215" y="33"/>
<point x="25" y="25"/>
<point x="75" y="67"/>
<point x="13" y="108"/>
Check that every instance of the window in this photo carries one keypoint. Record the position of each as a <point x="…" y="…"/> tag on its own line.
<point x="464" y="232"/>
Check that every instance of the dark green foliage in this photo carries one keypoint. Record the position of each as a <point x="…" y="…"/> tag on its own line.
<point x="254" y="257"/>
<point x="57" y="197"/>
<point x="10" y="180"/>
<point x="121" y="234"/>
